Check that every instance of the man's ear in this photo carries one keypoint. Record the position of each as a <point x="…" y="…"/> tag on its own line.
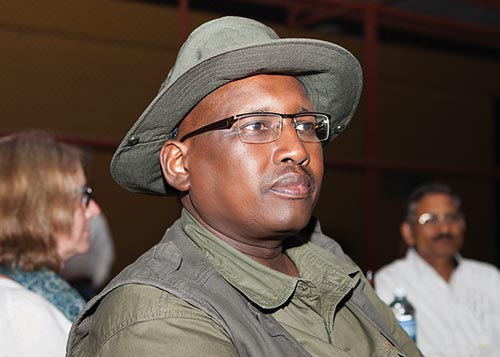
<point x="407" y="234"/>
<point x="173" y="165"/>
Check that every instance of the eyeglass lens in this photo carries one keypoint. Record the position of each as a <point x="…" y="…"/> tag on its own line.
<point x="434" y="219"/>
<point x="266" y="127"/>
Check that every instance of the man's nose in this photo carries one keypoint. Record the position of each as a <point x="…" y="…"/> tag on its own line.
<point x="290" y="146"/>
<point x="288" y="125"/>
<point x="444" y="225"/>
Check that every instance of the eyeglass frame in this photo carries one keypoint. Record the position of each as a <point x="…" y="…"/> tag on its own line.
<point x="87" y="193"/>
<point x="434" y="219"/>
<point x="228" y="122"/>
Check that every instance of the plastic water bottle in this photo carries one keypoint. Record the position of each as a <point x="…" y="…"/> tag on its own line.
<point x="404" y="312"/>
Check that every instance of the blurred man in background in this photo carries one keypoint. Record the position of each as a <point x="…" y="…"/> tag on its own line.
<point x="456" y="299"/>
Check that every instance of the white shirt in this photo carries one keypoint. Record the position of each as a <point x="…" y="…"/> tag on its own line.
<point x="458" y="318"/>
<point x="29" y="324"/>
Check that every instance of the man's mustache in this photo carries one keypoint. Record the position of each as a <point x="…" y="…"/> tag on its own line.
<point x="300" y="170"/>
<point x="440" y="236"/>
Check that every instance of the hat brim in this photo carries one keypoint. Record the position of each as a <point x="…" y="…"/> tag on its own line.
<point x="331" y="75"/>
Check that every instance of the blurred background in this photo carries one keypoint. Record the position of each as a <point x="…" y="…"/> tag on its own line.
<point x="430" y="109"/>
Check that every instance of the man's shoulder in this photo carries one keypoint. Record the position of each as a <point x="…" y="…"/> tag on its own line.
<point x="128" y="300"/>
<point x="479" y="267"/>
<point x="142" y="319"/>
<point x="390" y="276"/>
<point x="131" y="304"/>
<point x="393" y="267"/>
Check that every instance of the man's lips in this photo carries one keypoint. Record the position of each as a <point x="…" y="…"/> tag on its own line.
<point x="296" y="185"/>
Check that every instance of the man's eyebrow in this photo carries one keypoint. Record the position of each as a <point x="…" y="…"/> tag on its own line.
<point x="304" y="109"/>
<point x="259" y="110"/>
<point x="270" y="110"/>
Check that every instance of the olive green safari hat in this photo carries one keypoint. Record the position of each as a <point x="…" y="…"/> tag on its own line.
<point x="216" y="53"/>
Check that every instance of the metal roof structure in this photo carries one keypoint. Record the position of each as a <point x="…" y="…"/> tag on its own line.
<point x="469" y="24"/>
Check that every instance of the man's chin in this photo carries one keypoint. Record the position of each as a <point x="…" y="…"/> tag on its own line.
<point x="292" y="224"/>
<point x="446" y="251"/>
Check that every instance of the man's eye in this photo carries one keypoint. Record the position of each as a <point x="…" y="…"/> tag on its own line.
<point x="255" y="126"/>
<point x="306" y="126"/>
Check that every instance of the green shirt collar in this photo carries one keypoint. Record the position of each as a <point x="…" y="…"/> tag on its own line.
<point x="264" y="286"/>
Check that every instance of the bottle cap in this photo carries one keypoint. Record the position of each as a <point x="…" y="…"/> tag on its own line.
<point x="399" y="292"/>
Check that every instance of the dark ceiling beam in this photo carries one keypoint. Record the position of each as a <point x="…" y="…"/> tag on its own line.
<point x="411" y="168"/>
<point x="300" y="16"/>
<point x="306" y="17"/>
<point x="488" y="4"/>
<point x="456" y="31"/>
<point x="311" y="4"/>
<point x="311" y="12"/>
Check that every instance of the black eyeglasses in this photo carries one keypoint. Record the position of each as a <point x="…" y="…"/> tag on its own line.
<point x="86" y="192"/>
<point x="265" y="127"/>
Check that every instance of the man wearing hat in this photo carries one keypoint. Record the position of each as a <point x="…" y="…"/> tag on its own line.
<point x="237" y="131"/>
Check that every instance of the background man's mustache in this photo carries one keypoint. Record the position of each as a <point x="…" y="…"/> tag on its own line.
<point x="443" y="236"/>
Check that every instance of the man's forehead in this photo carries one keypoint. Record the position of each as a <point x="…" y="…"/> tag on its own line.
<point x="238" y="91"/>
<point x="240" y="86"/>
<point x="436" y="202"/>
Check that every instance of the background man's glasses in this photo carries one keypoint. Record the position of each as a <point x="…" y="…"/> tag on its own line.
<point x="432" y="219"/>
<point x="265" y="127"/>
<point x="86" y="195"/>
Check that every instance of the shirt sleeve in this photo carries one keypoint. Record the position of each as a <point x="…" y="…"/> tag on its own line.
<point x="160" y="324"/>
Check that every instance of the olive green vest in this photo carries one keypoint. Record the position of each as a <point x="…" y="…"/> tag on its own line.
<point x="176" y="266"/>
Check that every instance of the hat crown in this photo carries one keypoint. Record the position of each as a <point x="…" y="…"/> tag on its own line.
<point x="216" y="37"/>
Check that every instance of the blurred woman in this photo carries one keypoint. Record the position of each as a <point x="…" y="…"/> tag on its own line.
<point x="45" y="211"/>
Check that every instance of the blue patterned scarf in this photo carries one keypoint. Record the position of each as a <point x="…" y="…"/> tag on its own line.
<point x="52" y="287"/>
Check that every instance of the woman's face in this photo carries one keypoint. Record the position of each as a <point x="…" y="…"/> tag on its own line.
<point x="77" y="240"/>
